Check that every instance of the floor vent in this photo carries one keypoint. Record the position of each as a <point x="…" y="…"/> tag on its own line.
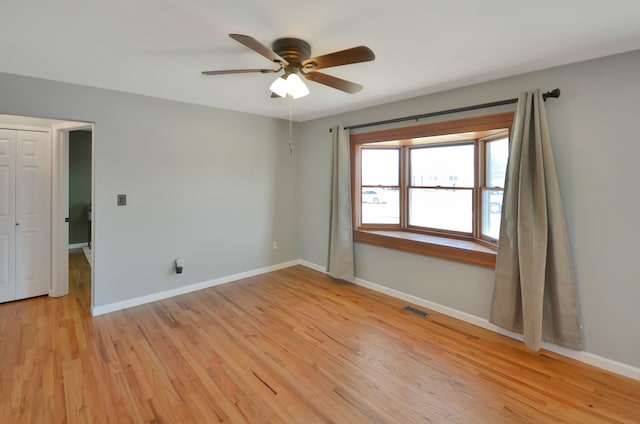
<point x="416" y="311"/>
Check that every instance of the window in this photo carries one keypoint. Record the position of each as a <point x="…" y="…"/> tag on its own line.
<point x="495" y="166"/>
<point x="380" y="179"/>
<point x="439" y="185"/>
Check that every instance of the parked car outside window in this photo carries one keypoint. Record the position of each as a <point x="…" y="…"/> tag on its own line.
<point x="372" y="196"/>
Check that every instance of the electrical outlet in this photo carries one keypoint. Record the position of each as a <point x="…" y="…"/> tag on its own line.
<point x="179" y="265"/>
<point x="274" y="245"/>
<point x="122" y="199"/>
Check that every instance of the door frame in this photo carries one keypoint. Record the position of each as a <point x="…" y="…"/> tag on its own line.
<point x="60" y="207"/>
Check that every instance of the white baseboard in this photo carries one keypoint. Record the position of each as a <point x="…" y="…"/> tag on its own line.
<point x="586" y="357"/>
<point x="129" y="303"/>
<point x="77" y="245"/>
<point x="313" y="266"/>
<point x="582" y="356"/>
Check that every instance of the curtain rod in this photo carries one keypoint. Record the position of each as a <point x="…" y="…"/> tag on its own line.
<point x="555" y="93"/>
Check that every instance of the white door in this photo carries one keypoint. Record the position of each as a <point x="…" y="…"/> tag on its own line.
<point x="7" y="215"/>
<point x="33" y="214"/>
<point x="25" y="214"/>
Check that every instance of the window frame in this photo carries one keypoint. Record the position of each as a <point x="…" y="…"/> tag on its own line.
<point x="361" y="186"/>
<point x="473" y="248"/>
<point x="409" y="186"/>
<point x="483" y="185"/>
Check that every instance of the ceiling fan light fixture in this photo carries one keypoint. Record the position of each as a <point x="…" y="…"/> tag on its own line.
<point x="296" y="87"/>
<point x="279" y="86"/>
<point x="289" y="84"/>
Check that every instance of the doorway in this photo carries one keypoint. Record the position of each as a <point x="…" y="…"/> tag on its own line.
<point x="58" y="134"/>
<point x="73" y="197"/>
<point x="79" y="189"/>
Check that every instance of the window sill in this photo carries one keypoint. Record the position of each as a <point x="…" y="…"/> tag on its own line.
<point x="464" y="251"/>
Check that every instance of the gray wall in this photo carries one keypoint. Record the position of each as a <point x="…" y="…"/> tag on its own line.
<point x="212" y="186"/>
<point x="596" y="147"/>
<point x="79" y="185"/>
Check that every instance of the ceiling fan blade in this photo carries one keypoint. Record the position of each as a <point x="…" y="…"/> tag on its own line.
<point x="240" y="71"/>
<point x="333" y="82"/>
<point x="344" y="57"/>
<point x="258" y="47"/>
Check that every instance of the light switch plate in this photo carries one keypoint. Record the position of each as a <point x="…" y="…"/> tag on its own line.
<point x="122" y="199"/>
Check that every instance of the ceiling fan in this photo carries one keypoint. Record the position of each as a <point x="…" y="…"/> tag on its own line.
<point x="293" y="56"/>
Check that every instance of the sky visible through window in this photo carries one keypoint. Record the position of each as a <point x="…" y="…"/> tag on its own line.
<point x="380" y="167"/>
<point x="447" y="166"/>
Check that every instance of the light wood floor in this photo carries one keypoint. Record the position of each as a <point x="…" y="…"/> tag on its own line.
<point x="291" y="346"/>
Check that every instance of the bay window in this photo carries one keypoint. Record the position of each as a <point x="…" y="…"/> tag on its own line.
<point x="434" y="188"/>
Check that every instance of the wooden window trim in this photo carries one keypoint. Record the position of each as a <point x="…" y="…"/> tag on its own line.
<point x="459" y="248"/>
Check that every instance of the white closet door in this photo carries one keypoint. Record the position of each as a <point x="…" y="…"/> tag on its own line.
<point x="7" y="215"/>
<point x="33" y="214"/>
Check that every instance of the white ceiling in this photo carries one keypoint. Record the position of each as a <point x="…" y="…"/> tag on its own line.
<point x="159" y="47"/>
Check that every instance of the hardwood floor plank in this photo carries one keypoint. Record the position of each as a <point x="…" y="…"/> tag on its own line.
<point x="291" y="346"/>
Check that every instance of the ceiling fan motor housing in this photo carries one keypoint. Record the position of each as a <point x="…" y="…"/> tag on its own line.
<point x="293" y="50"/>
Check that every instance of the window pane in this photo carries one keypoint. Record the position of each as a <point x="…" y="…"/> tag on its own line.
<point x="380" y="205"/>
<point x="446" y="166"/>
<point x="441" y="209"/>
<point x="497" y="156"/>
<point x="380" y="167"/>
<point x="491" y="213"/>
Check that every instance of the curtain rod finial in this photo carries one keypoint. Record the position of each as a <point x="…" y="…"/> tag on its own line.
<point x="555" y="93"/>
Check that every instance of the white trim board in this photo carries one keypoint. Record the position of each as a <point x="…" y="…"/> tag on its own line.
<point x="586" y="357"/>
<point x="77" y="245"/>
<point x="129" y="303"/>
<point x="582" y="356"/>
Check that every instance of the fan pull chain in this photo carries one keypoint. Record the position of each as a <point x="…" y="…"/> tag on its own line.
<point x="290" y="100"/>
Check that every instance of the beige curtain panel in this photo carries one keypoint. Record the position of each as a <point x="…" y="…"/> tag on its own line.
<point x="340" y="264"/>
<point x="534" y="292"/>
